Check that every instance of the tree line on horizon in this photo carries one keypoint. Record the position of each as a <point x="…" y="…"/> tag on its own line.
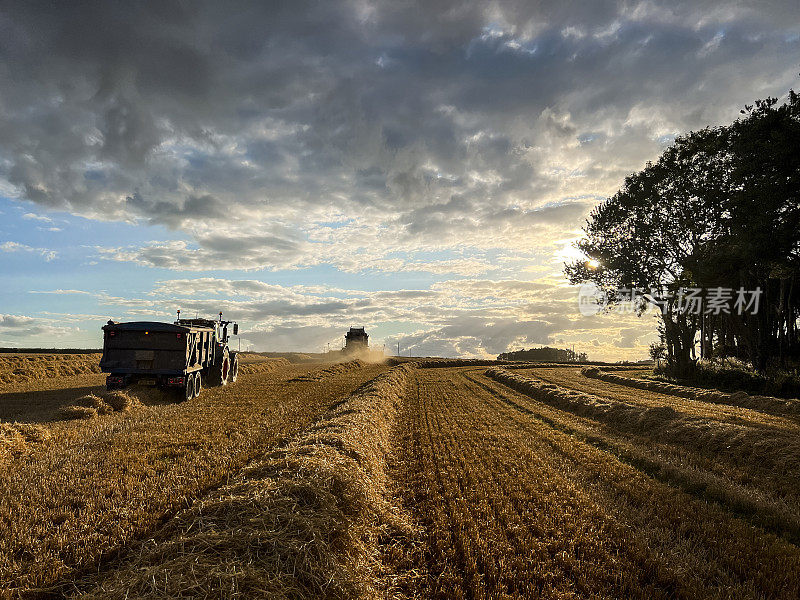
<point x="718" y="212"/>
<point x="544" y="354"/>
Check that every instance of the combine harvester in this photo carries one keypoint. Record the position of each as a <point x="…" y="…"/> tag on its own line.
<point x="177" y="357"/>
<point x="356" y="341"/>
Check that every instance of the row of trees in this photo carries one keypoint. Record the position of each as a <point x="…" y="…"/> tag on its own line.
<point x="720" y="209"/>
<point x="545" y="354"/>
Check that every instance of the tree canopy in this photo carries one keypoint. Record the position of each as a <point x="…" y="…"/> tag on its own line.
<point x="719" y="210"/>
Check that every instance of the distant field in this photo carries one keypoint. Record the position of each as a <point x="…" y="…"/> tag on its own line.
<point x="437" y="479"/>
<point x="15" y="368"/>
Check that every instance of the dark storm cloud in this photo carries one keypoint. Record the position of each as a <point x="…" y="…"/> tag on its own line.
<point x="171" y="214"/>
<point x="443" y="118"/>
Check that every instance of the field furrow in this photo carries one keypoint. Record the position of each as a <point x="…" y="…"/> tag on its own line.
<point x="766" y="498"/>
<point x="520" y="499"/>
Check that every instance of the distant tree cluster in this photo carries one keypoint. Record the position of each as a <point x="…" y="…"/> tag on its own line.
<point x="545" y="354"/>
<point x="720" y="209"/>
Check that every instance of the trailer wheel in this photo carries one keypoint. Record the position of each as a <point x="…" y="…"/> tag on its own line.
<point x="188" y="388"/>
<point x="234" y="368"/>
<point x="198" y="384"/>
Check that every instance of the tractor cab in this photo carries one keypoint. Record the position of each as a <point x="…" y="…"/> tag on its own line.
<point x="223" y="330"/>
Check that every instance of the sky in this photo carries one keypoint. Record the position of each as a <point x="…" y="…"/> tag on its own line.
<point x="419" y="169"/>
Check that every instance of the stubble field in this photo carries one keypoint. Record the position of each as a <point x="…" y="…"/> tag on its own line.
<point x="423" y="479"/>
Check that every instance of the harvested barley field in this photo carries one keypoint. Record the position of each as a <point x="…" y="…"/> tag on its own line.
<point x="15" y="368"/>
<point x="520" y="497"/>
<point x="572" y="378"/>
<point x="426" y="480"/>
<point x="75" y="499"/>
<point x="325" y="372"/>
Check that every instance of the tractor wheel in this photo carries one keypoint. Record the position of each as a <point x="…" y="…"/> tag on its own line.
<point x="234" y="368"/>
<point x="198" y="384"/>
<point x="225" y="369"/>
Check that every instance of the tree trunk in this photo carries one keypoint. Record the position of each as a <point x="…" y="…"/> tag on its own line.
<point x="679" y="336"/>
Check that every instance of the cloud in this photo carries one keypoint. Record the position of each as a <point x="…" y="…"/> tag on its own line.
<point x="467" y="317"/>
<point x="476" y="336"/>
<point x="21" y="326"/>
<point x="35" y="217"/>
<point x="294" y="338"/>
<point x="432" y="126"/>
<point x="456" y="145"/>
<point x="628" y="337"/>
<point x="280" y="253"/>
<point x="48" y="255"/>
<point x="212" y="286"/>
<point x="215" y="252"/>
<point x="60" y="292"/>
<point x="488" y="288"/>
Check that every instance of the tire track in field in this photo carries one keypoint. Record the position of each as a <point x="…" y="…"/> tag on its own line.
<point x="538" y="546"/>
<point x="775" y="510"/>
<point x="593" y="467"/>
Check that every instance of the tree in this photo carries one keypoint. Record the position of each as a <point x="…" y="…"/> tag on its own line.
<point x="657" y="351"/>
<point x="652" y="234"/>
<point x="720" y="208"/>
<point x="762" y="237"/>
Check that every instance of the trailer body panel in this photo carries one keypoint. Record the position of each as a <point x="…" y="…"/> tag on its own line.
<point x="165" y="353"/>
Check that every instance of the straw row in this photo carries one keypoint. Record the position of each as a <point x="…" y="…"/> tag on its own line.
<point x="304" y="521"/>
<point x="770" y="449"/>
<point x="335" y="369"/>
<point x="268" y="365"/>
<point x="740" y="398"/>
